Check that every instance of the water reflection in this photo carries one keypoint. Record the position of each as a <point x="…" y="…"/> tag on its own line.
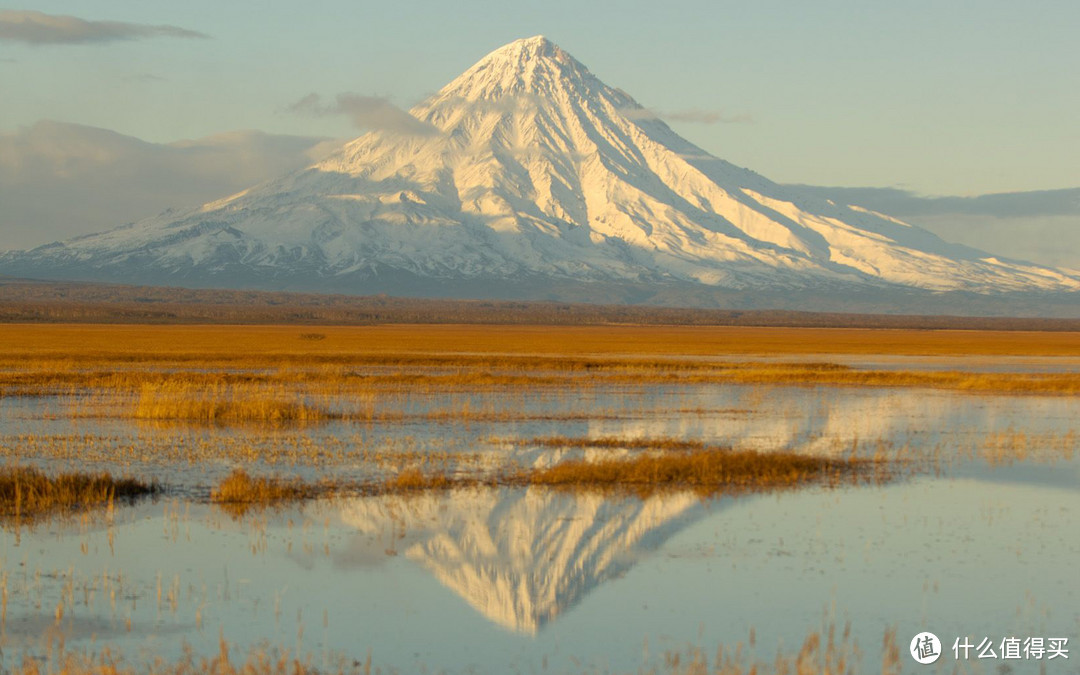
<point x="829" y="420"/>
<point x="818" y="420"/>
<point x="521" y="557"/>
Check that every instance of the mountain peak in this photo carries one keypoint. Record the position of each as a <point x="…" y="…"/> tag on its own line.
<point x="528" y="65"/>
<point x="536" y="46"/>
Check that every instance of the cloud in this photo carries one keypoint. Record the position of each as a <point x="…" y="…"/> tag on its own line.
<point x="60" y="180"/>
<point x="373" y="113"/>
<point x="145" y="77"/>
<point x="904" y="203"/>
<point x="1041" y="226"/>
<point x="38" y="28"/>
<point x="708" y="117"/>
<point x="695" y="116"/>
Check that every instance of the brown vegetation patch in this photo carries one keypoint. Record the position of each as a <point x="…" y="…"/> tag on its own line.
<point x="413" y="479"/>
<point x="678" y="465"/>
<point x="178" y="400"/>
<point x="239" y="492"/>
<point x="712" y="470"/>
<point x="28" y="493"/>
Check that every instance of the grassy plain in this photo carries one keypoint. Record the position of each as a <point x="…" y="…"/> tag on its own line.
<point x="247" y="368"/>
<point x="138" y="343"/>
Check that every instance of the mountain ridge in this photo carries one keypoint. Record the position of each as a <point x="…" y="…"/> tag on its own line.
<point x="527" y="169"/>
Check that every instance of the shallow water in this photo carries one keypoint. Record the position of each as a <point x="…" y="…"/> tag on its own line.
<point x="979" y="539"/>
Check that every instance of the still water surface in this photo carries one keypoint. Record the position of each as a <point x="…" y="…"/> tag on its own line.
<point x="980" y="538"/>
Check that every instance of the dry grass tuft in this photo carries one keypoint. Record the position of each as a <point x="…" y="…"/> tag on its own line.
<point x="414" y="479"/>
<point x="712" y="470"/>
<point x="183" y="401"/>
<point x="239" y="493"/>
<point x="664" y="464"/>
<point x="27" y="492"/>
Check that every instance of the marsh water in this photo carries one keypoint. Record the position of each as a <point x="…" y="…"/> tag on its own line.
<point x="977" y="534"/>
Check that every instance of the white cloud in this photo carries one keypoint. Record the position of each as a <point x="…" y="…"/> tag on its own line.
<point x="38" y="28"/>
<point x="366" y="112"/>
<point x="1042" y="226"/>
<point x="60" y="180"/>
<point x="695" y="116"/>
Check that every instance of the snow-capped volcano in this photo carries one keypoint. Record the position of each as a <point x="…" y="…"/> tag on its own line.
<point x="528" y="169"/>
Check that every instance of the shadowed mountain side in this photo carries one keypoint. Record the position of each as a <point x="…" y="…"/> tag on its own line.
<point x="523" y="557"/>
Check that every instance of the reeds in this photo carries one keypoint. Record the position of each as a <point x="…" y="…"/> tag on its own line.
<point x="28" y="493"/>
<point x="413" y="479"/>
<point x="239" y="491"/>
<point x="179" y="400"/>
<point x="266" y="387"/>
<point x="261" y="660"/>
<point x="711" y="470"/>
<point x="823" y="652"/>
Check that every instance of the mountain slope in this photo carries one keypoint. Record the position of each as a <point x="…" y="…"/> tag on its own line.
<point x="528" y="169"/>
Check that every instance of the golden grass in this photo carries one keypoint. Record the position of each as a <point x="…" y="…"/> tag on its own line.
<point x="261" y="660"/>
<point x="140" y="342"/>
<point x="270" y="373"/>
<point x="179" y="400"/>
<point x="217" y="392"/>
<point x="974" y="382"/>
<point x="272" y="447"/>
<point x="823" y="652"/>
<point x="29" y="493"/>
<point x="413" y="479"/>
<point x="711" y="471"/>
<point x="240" y="488"/>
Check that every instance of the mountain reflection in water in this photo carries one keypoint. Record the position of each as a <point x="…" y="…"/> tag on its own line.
<point x="522" y="557"/>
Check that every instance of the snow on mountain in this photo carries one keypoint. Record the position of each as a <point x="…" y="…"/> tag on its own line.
<point x="527" y="168"/>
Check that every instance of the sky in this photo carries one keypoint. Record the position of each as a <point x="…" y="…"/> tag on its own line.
<point x="954" y="98"/>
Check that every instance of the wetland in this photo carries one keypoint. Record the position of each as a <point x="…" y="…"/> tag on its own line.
<point x="535" y="499"/>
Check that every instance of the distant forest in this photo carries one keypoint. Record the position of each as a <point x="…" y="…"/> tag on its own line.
<point x="24" y="301"/>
